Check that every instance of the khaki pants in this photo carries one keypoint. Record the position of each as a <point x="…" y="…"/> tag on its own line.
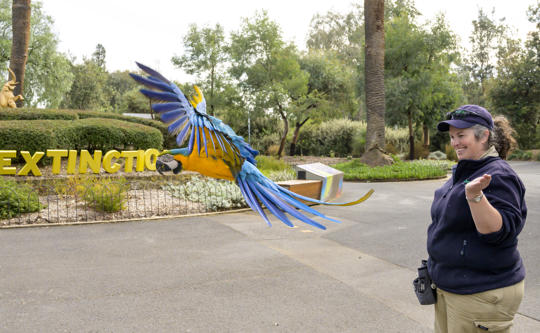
<point x="488" y="311"/>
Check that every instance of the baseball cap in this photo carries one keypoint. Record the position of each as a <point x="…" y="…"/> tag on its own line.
<point x="466" y="116"/>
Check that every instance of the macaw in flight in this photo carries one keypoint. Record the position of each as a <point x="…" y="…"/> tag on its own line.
<point x="215" y="150"/>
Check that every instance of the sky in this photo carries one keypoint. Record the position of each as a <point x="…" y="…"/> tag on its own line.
<point x="151" y="32"/>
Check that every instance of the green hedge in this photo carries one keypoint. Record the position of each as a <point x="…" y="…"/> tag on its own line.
<point x="169" y="140"/>
<point x="35" y="114"/>
<point x="91" y="134"/>
<point x="53" y="114"/>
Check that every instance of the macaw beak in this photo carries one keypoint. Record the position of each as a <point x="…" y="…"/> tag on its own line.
<point x="173" y="165"/>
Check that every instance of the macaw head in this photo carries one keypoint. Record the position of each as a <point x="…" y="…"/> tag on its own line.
<point x="197" y="98"/>
<point x="166" y="162"/>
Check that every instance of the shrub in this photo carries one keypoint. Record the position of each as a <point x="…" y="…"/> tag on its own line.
<point x="53" y="114"/>
<point x="344" y="137"/>
<point x="420" y="152"/>
<point x="213" y="194"/>
<point x="16" y="199"/>
<point x="520" y="155"/>
<point x="102" y="193"/>
<point x="437" y="155"/>
<point x="31" y="135"/>
<point x="266" y="143"/>
<point x="450" y="152"/>
<point x="334" y="135"/>
<point x="91" y="134"/>
<point x="35" y="114"/>
<point x="398" y="138"/>
<point x="169" y="139"/>
<point x="107" y="195"/>
<point x="358" y="144"/>
<point x="270" y="163"/>
<point x="106" y="134"/>
<point x="278" y="176"/>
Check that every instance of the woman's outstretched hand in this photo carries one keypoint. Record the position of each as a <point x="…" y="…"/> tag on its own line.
<point x="475" y="187"/>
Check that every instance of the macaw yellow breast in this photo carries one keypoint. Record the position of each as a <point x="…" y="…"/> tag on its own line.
<point x="208" y="166"/>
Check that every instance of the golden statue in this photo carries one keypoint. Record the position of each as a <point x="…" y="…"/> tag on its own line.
<point x="7" y="99"/>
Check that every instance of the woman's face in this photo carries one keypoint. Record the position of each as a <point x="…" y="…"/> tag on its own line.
<point x="465" y="143"/>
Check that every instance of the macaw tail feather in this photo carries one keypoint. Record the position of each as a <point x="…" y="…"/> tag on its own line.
<point x="251" y="200"/>
<point x="350" y="203"/>
<point x="259" y="193"/>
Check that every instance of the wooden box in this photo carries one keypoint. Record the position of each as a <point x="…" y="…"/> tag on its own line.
<point x="306" y="187"/>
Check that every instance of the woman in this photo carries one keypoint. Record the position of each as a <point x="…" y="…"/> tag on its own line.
<point x="476" y="218"/>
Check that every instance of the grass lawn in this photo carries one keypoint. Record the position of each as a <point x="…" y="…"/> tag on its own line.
<point x="400" y="170"/>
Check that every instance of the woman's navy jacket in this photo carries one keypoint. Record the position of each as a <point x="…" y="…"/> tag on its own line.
<point x="462" y="260"/>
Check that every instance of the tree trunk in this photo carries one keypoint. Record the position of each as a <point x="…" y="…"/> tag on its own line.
<point x="20" y="12"/>
<point x="411" y="135"/>
<point x="425" y="130"/>
<point x="292" y="150"/>
<point x="285" y="131"/>
<point x="374" y="87"/>
<point x="212" y="82"/>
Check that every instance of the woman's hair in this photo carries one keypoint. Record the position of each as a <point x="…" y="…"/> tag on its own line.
<point x="502" y="136"/>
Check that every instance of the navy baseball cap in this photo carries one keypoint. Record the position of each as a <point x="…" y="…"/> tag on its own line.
<point x="466" y="116"/>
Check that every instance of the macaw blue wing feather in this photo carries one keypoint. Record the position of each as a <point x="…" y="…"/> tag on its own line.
<point x="152" y="83"/>
<point x="152" y="72"/>
<point x="173" y="116"/>
<point x="160" y="96"/>
<point x="164" y="107"/>
<point x="177" y="126"/>
<point x="181" y="137"/>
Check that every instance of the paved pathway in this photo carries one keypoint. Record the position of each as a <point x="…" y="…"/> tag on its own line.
<point x="231" y="273"/>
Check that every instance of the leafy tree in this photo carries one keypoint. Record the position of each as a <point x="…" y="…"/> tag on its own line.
<point x="515" y="91"/>
<point x="99" y="55"/>
<point x="342" y="36"/>
<point x="205" y="55"/>
<point x="47" y="72"/>
<point x="267" y="69"/>
<point x="331" y="92"/>
<point x="132" y="101"/>
<point x="89" y="88"/>
<point x="21" y="38"/>
<point x="478" y="67"/>
<point x="119" y="84"/>
<point x="420" y="84"/>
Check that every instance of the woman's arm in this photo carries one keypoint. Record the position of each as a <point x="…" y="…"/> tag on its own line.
<point x="486" y="218"/>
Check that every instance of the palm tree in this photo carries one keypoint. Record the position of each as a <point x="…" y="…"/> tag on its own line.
<point x="374" y="69"/>
<point x="20" y="12"/>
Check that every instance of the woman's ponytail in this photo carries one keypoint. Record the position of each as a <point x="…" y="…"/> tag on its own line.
<point x="502" y="136"/>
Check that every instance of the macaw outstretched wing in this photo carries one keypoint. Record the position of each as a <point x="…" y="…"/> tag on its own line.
<point x="216" y="140"/>
<point x="187" y="120"/>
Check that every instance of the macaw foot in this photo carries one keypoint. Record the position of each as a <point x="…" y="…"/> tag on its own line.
<point x="163" y="165"/>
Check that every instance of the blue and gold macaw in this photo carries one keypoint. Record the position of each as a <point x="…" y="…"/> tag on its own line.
<point x="215" y="150"/>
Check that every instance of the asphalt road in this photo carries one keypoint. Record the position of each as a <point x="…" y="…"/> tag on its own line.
<point x="231" y="273"/>
<point x="396" y="220"/>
